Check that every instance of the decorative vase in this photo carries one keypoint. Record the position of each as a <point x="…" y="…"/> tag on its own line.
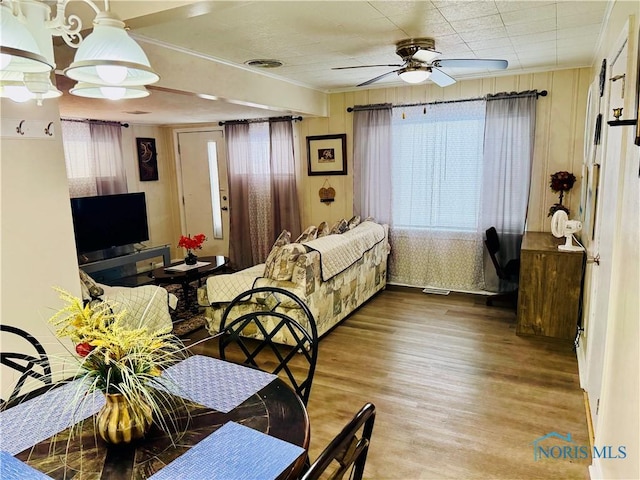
<point x="121" y="421"/>
<point x="190" y="259"/>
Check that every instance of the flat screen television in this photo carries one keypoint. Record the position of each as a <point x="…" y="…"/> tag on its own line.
<point x="108" y="221"/>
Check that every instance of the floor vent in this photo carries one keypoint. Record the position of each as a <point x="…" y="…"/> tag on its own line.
<point x="436" y="291"/>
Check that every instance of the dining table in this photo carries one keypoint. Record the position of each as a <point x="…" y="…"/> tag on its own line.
<point x="228" y="422"/>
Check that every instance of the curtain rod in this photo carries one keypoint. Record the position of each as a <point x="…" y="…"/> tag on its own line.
<point x="89" y="120"/>
<point x="497" y="96"/>
<point x="261" y="120"/>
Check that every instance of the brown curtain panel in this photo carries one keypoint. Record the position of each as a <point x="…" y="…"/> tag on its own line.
<point x="285" y="207"/>
<point x="263" y="198"/>
<point x="238" y="155"/>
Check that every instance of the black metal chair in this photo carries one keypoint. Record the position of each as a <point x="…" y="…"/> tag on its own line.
<point x="29" y="366"/>
<point x="508" y="273"/>
<point x="348" y="449"/>
<point x="260" y="350"/>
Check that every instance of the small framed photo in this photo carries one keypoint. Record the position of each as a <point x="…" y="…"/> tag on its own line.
<point x="147" y="159"/>
<point x="327" y="154"/>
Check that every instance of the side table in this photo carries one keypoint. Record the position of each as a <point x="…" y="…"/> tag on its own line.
<point x="166" y="275"/>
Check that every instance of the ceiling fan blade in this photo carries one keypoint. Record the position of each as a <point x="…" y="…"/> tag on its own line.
<point x="472" y="63"/>
<point x="425" y="56"/>
<point x="440" y="78"/>
<point x="368" y="66"/>
<point x="379" y="77"/>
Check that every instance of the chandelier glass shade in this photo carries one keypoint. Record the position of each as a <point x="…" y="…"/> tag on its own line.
<point x="19" y="52"/>
<point x="111" y="57"/>
<point x="108" y="64"/>
<point x="110" y="92"/>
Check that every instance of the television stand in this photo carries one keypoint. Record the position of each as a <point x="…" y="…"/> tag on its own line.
<point x="108" y="263"/>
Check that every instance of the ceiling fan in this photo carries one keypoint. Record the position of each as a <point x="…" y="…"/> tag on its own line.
<point x="421" y="62"/>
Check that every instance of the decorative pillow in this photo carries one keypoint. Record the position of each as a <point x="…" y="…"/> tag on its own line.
<point x="285" y="260"/>
<point x="340" y="226"/>
<point x="323" y="229"/>
<point x="309" y="234"/>
<point x="283" y="239"/>
<point x="369" y="219"/>
<point x="90" y="289"/>
<point x="354" y="222"/>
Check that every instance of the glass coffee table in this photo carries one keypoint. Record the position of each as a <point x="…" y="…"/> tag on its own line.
<point x="179" y="273"/>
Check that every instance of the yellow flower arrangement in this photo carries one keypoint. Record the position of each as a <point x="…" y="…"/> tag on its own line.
<point x="113" y="357"/>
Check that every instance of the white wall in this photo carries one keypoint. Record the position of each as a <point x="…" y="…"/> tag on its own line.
<point x="37" y="248"/>
<point x="618" y="420"/>
<point x="161" y="195"/>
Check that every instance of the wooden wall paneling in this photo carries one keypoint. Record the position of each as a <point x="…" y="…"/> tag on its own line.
<point x="378" y="95"/>
<point x="559" y="132"/>
<point x="338" y="109"/>
<point x="538" y="203"/>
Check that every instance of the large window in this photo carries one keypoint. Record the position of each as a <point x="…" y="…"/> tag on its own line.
<point x="456" y="169"/>
<point x="437" y="165"/>
<point x="93" y="156"/>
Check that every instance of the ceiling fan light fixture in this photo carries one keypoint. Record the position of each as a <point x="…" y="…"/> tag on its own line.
<point x="414" y="75"/>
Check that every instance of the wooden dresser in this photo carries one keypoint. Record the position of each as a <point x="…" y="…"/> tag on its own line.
<point x="550" y="287"/>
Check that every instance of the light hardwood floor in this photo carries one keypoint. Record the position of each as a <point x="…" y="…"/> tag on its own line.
<point x="458" y="394"/>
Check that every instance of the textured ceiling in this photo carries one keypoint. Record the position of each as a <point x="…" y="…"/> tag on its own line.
<point x="312" y="37"/>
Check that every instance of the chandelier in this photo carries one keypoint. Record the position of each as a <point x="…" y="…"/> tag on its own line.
<point x="108" y="63"/>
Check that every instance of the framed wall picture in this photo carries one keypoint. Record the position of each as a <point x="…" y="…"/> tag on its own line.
<point x="327" y="154"/>
<point x="147" y="159"/>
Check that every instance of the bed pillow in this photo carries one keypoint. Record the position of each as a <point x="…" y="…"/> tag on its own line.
<point x="90" y="289"/>
<point x="323" y="230"/>
<point x="283" y="239"/>
<point x="285" y="260"/>
<point x="340" y="226"/>
<point x="309" y="234"/>
<point x="354" y="222"/>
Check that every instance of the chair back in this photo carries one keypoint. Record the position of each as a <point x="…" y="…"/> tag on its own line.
<point x="492" y="242"/>
<point x="29" y="366"/>
<point x="254" y="333"/>
<point x="348" y="449"/>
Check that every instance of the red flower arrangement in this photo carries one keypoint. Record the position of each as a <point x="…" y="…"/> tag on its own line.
<point x="192" y="243"/>
<point x="561" y="182"/>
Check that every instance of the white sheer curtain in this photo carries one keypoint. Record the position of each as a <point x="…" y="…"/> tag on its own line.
<point x="93" y="156"/>
<point x="261" y="177"/>
<point x="436" y="177"/>
<point x="372" y="163"/>
<point x="508" y="156"/>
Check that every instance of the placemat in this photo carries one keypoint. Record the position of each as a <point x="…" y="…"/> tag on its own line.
<point x="232" y="452"/>
<point x="13" y="469"/>
<point x="37" y="419"/>
<point x="215" y="383"/>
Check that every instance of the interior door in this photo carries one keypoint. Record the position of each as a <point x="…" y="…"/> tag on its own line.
<point x="203" y="170"/>
<point x="604" y="230"/>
